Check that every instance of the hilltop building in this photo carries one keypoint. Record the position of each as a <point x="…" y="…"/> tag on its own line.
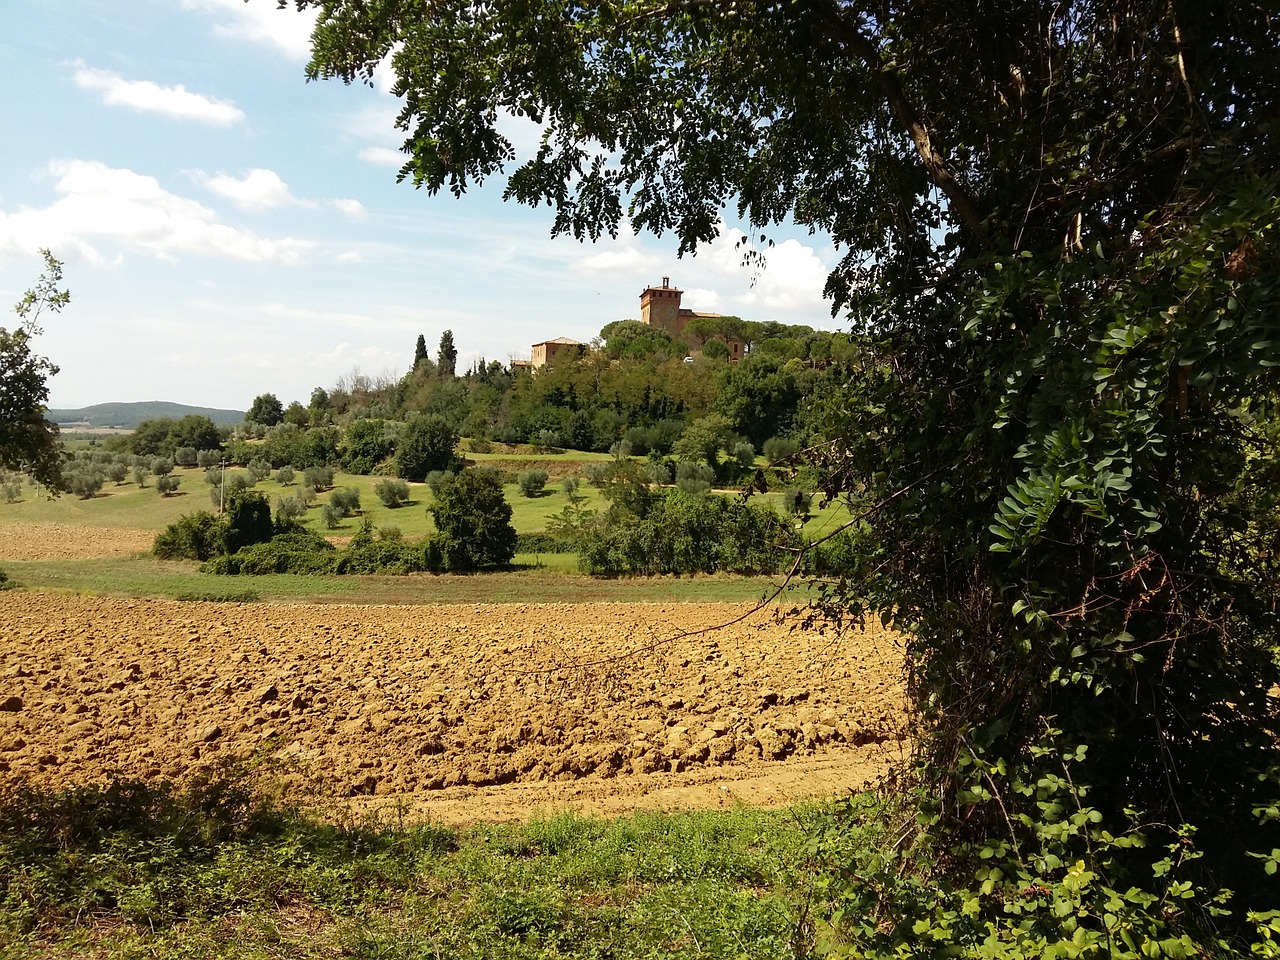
<point x="660" y="308"/>
<point x="548" y="350"/>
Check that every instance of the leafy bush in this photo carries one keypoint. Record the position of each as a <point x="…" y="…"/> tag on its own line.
<point x="382" y="556"/>
<point x="208" y="458"/>
<point x="694" y="478"/>
<point x="1070" y="888"/>
<point x="683" y="533"/>
<point x="392" y="493"/>
<point x="167" y="485"/>
<point x="346" y="501"/>
<point x="248" y="521"/>
<point x="435" y="480"/>
<point x="117" y="471"/>
<point x="473" y="520"/>
<point x="318" y="478"/>
<point x="427" y="444"/>
<point x="196" y="536"/>
<point x="795" y="502"/>
<point x="259" y="470"/>
<point x="185" y="456"/>
<point x="545" y="543"/>
<point x="366" y="444"/>
<point x="532" y="482"/>
<point x="284" y="476"/>
<point x="332" y="516"/>
<point x="162" y="466"/>
<point x="10" y="487"/>
<point x="777" y="449"/>
<point x="290" y="508"/>
<point x="302" y="554"/>
<point x="658" y="472"/>
<point x="83" y="478"/>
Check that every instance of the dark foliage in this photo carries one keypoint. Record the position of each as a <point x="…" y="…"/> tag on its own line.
<point x="473" y="522"/>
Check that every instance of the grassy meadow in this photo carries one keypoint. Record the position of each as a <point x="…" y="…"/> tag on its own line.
<point x="536" y="577"/>
<point x="216" y="870"/>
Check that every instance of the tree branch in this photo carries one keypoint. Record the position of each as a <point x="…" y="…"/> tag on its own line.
<point x="862" y="46"/>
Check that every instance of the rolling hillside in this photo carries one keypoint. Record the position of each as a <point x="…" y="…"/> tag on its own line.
<point x="129" y="415"/>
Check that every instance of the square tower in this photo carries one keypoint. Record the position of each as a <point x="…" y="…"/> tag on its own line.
<point x="660" y="307"/>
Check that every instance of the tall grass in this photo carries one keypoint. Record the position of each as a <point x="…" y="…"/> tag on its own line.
<point x="218" y="868"/>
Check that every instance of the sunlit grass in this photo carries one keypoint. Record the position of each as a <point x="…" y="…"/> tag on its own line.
<point x="550" y="578"/>
<point x="214" y="869"/>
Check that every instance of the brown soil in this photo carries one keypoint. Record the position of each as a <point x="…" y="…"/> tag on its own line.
<point x="24" y="540"/>
<point x="458" y="712"/>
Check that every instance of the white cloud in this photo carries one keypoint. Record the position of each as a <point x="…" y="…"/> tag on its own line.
<point x="149" y="97"/>
<point x="262" y="189"/>
<point x="384" y="74"/>
<point x="628" y="261"/>
<point x="701" y="299"/>
<point x="623" y="259"/>
<point x="101" y="204"/>
<point x="383" y="157"/>
<point x="791" y="278"/>
<point x="261" y="22"/>
<point x="352" y="208"/>
<point x="351" y="256"/>
<point x="258" y="189"/>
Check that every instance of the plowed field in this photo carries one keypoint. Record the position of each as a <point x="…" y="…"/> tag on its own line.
<point x="460" y="712"/>
<point x="22" y="540"/>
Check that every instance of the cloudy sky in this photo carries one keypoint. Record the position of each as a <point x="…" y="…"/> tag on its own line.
<point x="229" y="229"/>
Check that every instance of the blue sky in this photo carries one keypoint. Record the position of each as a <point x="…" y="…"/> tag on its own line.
<point x="229" y="229"/>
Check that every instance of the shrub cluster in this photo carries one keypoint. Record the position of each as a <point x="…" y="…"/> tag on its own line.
<point x="472" y="518"/>
<point x="540" y="542"/>
<point x="682" y="533"/>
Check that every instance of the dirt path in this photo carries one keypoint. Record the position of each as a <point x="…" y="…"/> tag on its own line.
<point x="459" y="712"/>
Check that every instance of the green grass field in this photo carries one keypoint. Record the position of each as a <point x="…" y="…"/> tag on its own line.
<point x="213" y="871"/>
<point x="549" y="577"/>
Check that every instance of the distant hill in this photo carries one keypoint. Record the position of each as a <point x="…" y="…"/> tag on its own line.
<point x="129" y="415"/>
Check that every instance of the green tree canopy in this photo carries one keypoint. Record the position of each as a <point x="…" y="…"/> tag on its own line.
<point x="162" y="436"/>
<point x="473" y="521"/>
<point x="296" y="414"/>
<point x="635" y="340"/>
<point x="365" y="445"/>
<point x="266" y="409"/>
<point x="427" y="444"/>
<point x="1060" y="234"/>
<point x="29" y="442"/>
<point x="447" y="355"/>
